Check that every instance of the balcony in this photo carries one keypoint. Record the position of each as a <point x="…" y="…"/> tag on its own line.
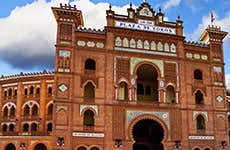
<point x="31" y="118"/>
<point x="88" y="128"/>
<point x="9" y="133"/>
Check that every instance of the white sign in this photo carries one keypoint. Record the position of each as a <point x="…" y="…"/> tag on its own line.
<point x="201" y="137"/>
<point x="83" y="134"/>
<point x="146" y="22"/>
<point x="143" y="27"/>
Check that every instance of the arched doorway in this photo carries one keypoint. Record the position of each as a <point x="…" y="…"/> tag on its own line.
<point x="10" y="147"/>
<point x="147" y="83"/>
<point x="148" y="135"/>
<point x="40" y="146"/>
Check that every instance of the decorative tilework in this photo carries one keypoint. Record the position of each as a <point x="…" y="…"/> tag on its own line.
<point x="158" y="63"/>
<point x="94" y="107"/>
<point x="204" y="113"/>
<point x="132" y="114"/>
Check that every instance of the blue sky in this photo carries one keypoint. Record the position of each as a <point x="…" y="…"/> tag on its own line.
<point x="28" y="29"/>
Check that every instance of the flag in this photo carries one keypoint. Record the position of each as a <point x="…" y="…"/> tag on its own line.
<point x="212" y="17"/>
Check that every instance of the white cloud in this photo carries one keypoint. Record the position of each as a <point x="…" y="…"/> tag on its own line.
<point x="28" y="34"/>
<point x="227" y="79"/>
<point x="171" y="3"/>
<point x="223" y="23"/>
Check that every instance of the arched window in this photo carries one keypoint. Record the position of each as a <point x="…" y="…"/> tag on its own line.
<point x="139" y="44"/>
<point x="132" y="43"/>
<point x="199" y="97"/>
<point x="89" y="91"/>
<point x="90" y="64"/>
<point x="26" y="110"/>
<point x="173" y="48"/>
<point x="197" y="74"/>
<point x="15" y="92"/>
<point x="140" y="89"/>
<point x="118" y="41"/>
<point x="35" y="110"/>
<point x="94" y="148"/>
<point x="12" y="111"/>
<point x="88" y="118"/>
<point x="10" y="92"/>
<point x="160" y="46"/>
<point x="170" y="94"/>
<point x="5" y="112"/>
<point x="10" y="147"/>
<point x="38" y="91"/>
<point x="146" y="44"/>
<point x="125" y="42"/>
<point x="31" y="90"/>
<point x="148" y="90"/>
<point x="50" y="109"/>
<point x="49" y="90"/>
<point x="49" y="127"/>
<point x="123" y="91"/>
<point x="5" y="93"/>
<point x="166" y="47"/>
<point x="25" y="127"/>
<point x="11" y="127"/>
<point x="200" y="123"/>
<point x="25" y="91"/>
<point x="153" y="45"/>
<point x="4" y="127"/>
<point x="81" y="148"/>
<point x="34" y="127"/>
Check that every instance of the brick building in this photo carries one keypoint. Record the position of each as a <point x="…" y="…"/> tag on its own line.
<point x="137" y="84"/>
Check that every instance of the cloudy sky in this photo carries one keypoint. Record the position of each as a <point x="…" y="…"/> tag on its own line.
<point x="28" y="28"/>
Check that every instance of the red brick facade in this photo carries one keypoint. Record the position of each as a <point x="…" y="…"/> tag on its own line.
<point x="135" y="85"/>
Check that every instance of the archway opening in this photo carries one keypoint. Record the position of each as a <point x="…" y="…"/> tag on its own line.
<point x="148" y="135"/>
<point x="81" y="148"/>
<point x="10" y="147"/>
<point x="40" y="146"/>
<point x="147" y="77"/>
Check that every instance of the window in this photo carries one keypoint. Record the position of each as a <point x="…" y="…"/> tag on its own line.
<point x="25" y="127"/>
<point x="15" y="92"/>
<point x="140" y="89"/>
<point x="31" y="90"/>
<point x="166" y="47"/>
<point x="197" y="74"/>
<point x="173" y="48"/>
<point x="25" y="91"/>
<point x="118" y="41"/>
<point x="11" y="128"/>
<point x="90" y="64"/>
<point x="123" y="91"/>
<point x="34" y="127"/>
<point x="50" y="109"/>
<point x="4" y="127"/>
<point x="5" y="112"/>
<point x="12" y="111"/>
<point x="148" y="90"/>
<point x="35" y="110"/>
<point x="125" y="42"/>
<point x="170" y="94"/>
<point x="49" y="127"/>
<point x="89" y="90"/>
<point x="88" y="118"/>
<point x="5" y="93"/>
<point x="146" y="44"/>
<point x="199" y="97"/>
<point x="132" y="43"/>
<point x="153" y="45"/>
<point x="139" y="44"/>
<point x="38" y="91"/>
<point x="160" y="46"/>
<point x="200" y="125"/>
<point x="50" y="90"/>
<point x="26" y="110"/>
<point x="10" y="92"/>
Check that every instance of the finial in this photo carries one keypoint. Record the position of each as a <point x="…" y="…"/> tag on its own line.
<point x="131" y="5"/>
<point x="178" y="17"/>
<point x="159" y="9"/>
<point x="145" y="1"/>
<point x="110" y="7"/>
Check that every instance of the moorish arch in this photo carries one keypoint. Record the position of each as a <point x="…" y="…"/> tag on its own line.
<point x="10" y="146"/>
<point x="40" y="146"/>
<point x="147" y="76"/>
<point x="147" y="132"/>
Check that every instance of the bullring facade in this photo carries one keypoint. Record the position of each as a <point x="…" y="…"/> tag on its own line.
<point x="137" y="84"/>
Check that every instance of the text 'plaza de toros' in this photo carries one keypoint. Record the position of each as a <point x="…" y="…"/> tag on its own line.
<point x="136" y="85"/>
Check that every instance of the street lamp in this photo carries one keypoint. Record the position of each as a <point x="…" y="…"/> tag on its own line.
<point x="60" y="141"/>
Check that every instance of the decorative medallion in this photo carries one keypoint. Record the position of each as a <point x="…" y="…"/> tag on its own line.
<point x="100" y="45"/>
<point x="81" y="43"/>
<point x="64" y="53"/>
<point x="133" y="81"/>
<point x="63" y="87"/>
<point x="219" y="98"/>
<point x="90" y="44"/>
